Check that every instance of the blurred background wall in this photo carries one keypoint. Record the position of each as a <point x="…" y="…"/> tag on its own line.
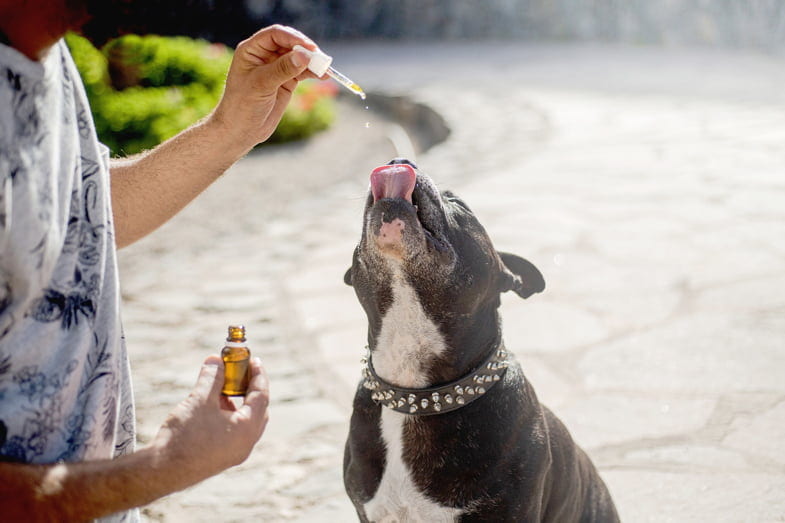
<point x="733" y="23"/>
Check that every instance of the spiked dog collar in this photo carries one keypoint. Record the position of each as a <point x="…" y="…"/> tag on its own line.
<point x="440" y="399"/>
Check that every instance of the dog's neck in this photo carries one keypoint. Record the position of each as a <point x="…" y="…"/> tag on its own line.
<point x="414" y="349"/>
<point x="408" y="341"/>
<point x="410" y="355"/>
<point x="441" y="398"/>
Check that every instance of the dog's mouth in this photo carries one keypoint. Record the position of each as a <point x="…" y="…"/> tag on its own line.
<point x="393" y="181"/>
<point x="393" y="184"/>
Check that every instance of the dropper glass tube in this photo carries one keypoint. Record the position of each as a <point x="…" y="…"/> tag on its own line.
<point x="346" y="82"/>
<point x="320" y="65"/>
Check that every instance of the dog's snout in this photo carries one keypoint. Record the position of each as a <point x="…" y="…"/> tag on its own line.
<point x="402" y="161"/>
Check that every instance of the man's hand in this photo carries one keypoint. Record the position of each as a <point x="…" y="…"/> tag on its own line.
<point x="205" y="433"/>
<point x="150" y="188"/>
<point x="261" y="79"/>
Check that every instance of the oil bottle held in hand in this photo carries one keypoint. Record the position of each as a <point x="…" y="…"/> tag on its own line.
<point x="236" y="356"/>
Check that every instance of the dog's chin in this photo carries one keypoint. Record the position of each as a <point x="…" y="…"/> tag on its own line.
<point x="400" y="251"/>
<point x="393" y="252"/>
<point x="397" y="230"/>
<point x="413" y="246"/>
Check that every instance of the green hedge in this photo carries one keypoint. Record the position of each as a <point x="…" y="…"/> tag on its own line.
<point x="145" y="89"/>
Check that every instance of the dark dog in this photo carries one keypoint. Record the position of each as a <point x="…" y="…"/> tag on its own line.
<point x="445" y="427"/>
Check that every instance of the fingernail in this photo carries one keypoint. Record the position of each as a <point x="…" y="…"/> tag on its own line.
<point x="299" y="58"/>
<point x="212" y="359"/>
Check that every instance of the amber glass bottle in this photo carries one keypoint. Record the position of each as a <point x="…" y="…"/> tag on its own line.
<point x="236" y="356"/>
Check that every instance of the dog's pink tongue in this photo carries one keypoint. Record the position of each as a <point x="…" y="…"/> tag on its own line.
<point x="393" y="181"/>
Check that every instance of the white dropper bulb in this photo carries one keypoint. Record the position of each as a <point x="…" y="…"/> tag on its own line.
<point x="319" y="62"/>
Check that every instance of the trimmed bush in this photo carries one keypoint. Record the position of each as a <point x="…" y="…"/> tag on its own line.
<point x="145" y="89"/>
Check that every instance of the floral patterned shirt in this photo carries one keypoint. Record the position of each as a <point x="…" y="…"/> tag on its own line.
<point x="65" y="389"/>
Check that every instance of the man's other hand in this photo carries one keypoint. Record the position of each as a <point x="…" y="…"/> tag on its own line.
<point x="206" y="434"/>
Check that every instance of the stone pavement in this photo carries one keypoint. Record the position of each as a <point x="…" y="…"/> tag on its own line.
<point x="647" y="184"/>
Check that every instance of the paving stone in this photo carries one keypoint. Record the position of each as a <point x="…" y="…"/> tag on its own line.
<point x="687" y="457"/>
<point x="553" y="388"/>
<point x="290" y="419"/>
<point x="547" y="326"/>
<point x="341" y="350"/>
<point x="689" y="353"/>
<point x="648" y="496"/>
<point x="761" y="434"/>
<point x="333" y="510"/>
<point x="746" y="298"/>
<point x="606" y="419"/>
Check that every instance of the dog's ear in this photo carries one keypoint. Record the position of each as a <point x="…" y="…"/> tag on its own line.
<point x="520" y="276"/>
<point x="347" y="277"/>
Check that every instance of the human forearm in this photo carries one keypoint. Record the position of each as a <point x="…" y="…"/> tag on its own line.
<point x="151" y="187"/>
<point x="86" y="490"/>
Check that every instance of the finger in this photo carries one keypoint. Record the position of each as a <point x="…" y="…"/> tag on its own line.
<point x="269" y="43"/>
<point x="281" y="37"/>
<point x="210" y="380"/>
<point x="280" y="103"/>
<point x="257" y="397"/>
<point x="270" y="77"/>
<point x="308" y="75"/>
<point x="289" y="86"/>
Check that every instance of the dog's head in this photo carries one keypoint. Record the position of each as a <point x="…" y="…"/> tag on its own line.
<point x="433" y="241"/>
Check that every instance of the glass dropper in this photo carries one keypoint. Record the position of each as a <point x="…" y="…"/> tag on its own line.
<point x="320" y="65"/>
<point x="346" y="82"/>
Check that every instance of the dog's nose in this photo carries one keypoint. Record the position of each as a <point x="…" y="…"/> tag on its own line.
<point x="402" y="161"/>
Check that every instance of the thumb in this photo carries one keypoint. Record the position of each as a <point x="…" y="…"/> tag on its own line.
<point x="285" y="68"/>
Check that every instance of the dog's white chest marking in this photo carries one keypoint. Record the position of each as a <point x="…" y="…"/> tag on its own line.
<point x="406" y="340"/>
<point x="398" y="500"/>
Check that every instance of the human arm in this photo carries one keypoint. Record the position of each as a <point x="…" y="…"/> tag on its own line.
<point x="150" y="188"/>
<point x="202" y="436"/>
